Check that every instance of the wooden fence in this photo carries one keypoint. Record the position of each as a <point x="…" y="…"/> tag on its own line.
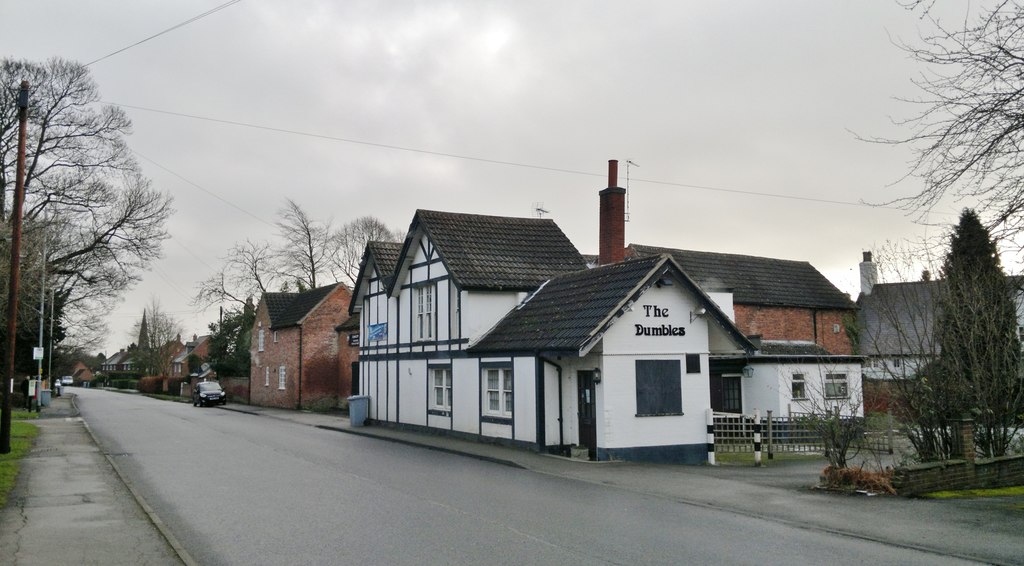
<point x="735" y="433"/>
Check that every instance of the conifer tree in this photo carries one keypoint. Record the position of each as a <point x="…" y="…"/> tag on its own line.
<point x="979" y="371"/>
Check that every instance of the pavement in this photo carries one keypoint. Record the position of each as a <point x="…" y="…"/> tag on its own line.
<point x="71" y="505"/>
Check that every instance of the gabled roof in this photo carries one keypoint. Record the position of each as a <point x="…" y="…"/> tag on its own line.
<point x="288" y="309"/>
<point x="570" y="312"/>
<point x="497" y="253"/>
<point x="190" y="346"/>
<point x="385" y="257"/>
<point x="117" y="358"/>
<point x="351" y="323"/>
<point x="757" y="280"/>
<point x="899" y="318"/>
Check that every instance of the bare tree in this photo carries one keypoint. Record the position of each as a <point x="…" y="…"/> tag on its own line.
<point x="160" y="341"/>
<point x="86" y="198"/>
<point x="968" y="134"/>
<point x="351" y="242"/>
<point x="249" y="270"/>
<point x="307" y="247"/>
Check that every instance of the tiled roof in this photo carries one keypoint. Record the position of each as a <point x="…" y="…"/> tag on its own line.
<point x="385" y="256"/>
<point x="288" y="309"/>
<point x="757" y="280"/>
<point x="898" y="318"/>
<point x="351" y="323"/>
<point x="499" y="252"/>
<point x="571" y="310"/>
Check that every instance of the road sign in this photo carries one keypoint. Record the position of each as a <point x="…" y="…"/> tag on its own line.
<point x="37" y="353"/>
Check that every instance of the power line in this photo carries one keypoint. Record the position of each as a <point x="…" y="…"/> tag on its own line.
<point x="168" y="30"/>
<point x="491" y="161"/>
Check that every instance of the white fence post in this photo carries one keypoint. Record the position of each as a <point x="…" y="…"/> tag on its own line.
<point x="711" y="436"/>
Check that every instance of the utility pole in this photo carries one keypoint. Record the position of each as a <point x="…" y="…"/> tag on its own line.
<point x="12" y="296"/>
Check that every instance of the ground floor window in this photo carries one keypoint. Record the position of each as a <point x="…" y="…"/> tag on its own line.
<point x="835" y="386"/>
<point x="441" y="382"/>
<point x="266" y="376"/>
<point x="799" y="386"/>
<point x="280" y="377"/>
<point x="498" y="400"/>
<point x="659" y="388"/>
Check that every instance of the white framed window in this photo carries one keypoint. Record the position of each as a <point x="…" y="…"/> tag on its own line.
<point x="835" y="386"/>
<point x="441" y="383"/>
<point x="280" y="377"/>
<point x="266" y="376"/>
<point x="799" y="386"/>
<point x="260" y="338"/>
<point x="424" y="297"/>
<point x="275" y="337"/>
<point x="498" y="392"/>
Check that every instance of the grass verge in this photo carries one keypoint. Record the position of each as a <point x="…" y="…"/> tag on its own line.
<point x="965" y="493"/>
<point x="747" y="458"/>
<point x="22" y="434"/>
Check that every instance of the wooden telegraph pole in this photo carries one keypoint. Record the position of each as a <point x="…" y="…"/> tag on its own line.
<point x="12" y="297"/>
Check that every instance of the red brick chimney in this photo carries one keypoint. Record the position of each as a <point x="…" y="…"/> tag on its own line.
<point x="612" y="245"/>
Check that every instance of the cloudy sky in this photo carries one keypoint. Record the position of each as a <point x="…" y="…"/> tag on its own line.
<point x="742" y="117"/>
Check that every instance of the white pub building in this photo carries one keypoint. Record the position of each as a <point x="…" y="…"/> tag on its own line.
<point x="493" y="328"/>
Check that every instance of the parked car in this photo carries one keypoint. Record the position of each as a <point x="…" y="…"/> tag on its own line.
<point x="67" y="380"/>
<point x="208" y="393"/>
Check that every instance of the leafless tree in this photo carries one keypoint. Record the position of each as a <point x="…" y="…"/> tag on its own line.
<point x="100" y="219"/>
<point x="351" y="241"/>
<point x="249" y="270"/>
<point x="968" y="133"/>
<point x="162" y="340"/>
<point x="307" y="247"/>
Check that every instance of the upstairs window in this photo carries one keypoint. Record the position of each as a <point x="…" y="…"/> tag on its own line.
<point x="260" y="338"/>
<point x="424" y="297"/>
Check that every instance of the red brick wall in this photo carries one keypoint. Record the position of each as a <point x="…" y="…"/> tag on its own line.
<point x="322" y="379"/>
<point x="284" y="352"/>
<point x="793" y="323"/>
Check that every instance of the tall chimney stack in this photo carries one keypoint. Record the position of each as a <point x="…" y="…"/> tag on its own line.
<point x="868" y="274"/>
<point x="612" y="243"/>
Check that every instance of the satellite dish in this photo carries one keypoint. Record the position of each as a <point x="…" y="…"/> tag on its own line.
<point x="205" y="367"/>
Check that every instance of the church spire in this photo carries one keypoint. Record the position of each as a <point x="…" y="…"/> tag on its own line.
<point x="144" y="333"/>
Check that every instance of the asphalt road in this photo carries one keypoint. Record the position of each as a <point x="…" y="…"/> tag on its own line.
<point x="241" y="489"/>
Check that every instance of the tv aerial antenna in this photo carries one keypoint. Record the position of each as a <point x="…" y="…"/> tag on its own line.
<point x="629" y="162"/>
<point x="539" y="211"/>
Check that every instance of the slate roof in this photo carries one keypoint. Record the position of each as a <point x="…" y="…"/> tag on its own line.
<point x="757" y="280"/>
<point x="351" y="323"/>
<point x="898" y="318"/>
<point x="497" y="252"/>
<point x="570" y="310"/>
<point x="288" y="309"/>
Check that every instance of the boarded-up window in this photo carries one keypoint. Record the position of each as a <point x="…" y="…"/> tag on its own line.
<point x="692" y="363"/>
<point x="658" y="387"/>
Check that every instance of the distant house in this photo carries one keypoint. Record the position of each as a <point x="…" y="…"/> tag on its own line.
<point x="198" y="347"/>
<point x="119" y="361"/>
<point x="294" y="349"/>
<point x="80" y="372"/>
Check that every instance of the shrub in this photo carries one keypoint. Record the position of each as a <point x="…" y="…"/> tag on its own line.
<point x="857" y="478"/>
<point x="151" y="384"/>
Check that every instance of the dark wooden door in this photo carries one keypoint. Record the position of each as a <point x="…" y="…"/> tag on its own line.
<point x="726" y="396"/>
<point x="355" y="378"/>
<point x="587" y="412"/>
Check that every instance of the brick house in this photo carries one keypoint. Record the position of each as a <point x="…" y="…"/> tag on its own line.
<point x="295" y="358"/>
<point x="199" y="346"/>
<point x="80" y="372"/>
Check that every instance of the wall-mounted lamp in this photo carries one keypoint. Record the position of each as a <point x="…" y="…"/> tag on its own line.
<point x="748" y="371"/>
<point x="597" y="375"/>
<point x="694" y="315"/>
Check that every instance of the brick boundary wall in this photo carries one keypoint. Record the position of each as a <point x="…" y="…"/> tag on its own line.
<point x="237" y="388"/>
<point x="1007" y="471"/>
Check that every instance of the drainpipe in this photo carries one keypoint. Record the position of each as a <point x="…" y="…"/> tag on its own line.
<point x="299" y="403"/>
